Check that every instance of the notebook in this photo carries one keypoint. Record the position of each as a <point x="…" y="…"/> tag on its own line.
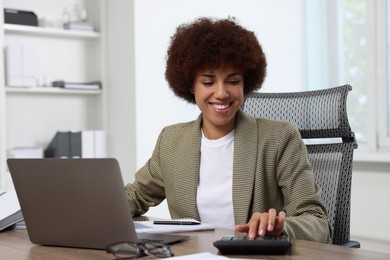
<point x="76" y="203"/>
<point x="170" y="226"/>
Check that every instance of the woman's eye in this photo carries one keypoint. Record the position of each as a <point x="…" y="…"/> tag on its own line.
<point x="234" y="82"/>
<point x="208" y="83"/>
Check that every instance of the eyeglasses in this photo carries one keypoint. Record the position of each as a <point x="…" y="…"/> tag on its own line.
<point x="128" y="250"/>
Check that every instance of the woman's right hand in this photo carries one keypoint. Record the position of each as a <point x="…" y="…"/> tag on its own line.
<point x="264" y="224"/>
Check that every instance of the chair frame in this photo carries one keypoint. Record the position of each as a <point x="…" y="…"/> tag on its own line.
<point x="322" y="116"/>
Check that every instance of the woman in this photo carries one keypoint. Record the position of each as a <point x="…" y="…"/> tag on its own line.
<point x="226" y="168"/>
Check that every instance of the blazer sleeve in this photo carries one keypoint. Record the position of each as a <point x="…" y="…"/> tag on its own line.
<point x="306" y="216"/>
<point x="147" y="190"/>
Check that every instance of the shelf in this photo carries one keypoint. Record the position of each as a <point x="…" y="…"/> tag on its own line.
<point x="51" y="90"/>
<point x="46" y="31"/>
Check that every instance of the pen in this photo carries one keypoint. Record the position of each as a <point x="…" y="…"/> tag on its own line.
<point x="174" y="222"/>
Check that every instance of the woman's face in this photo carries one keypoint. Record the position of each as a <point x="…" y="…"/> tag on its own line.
<point x="218" y="94"/>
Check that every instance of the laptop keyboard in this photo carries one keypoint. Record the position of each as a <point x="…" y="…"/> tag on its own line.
<point x="233" y="244"/>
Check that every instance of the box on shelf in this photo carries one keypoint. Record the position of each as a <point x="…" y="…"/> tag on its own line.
<point x="21" y="17"/>
<point x="25" y="152"/>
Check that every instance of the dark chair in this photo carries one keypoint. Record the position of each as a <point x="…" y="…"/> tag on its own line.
<point x="321" y="117"/>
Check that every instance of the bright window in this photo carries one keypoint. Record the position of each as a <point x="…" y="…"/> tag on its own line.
<point x="348" y="43"/>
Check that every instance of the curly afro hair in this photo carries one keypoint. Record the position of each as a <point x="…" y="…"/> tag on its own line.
<point x="213" y="43"/>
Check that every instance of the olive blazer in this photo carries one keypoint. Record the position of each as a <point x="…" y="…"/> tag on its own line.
<point x="270" y="170"/>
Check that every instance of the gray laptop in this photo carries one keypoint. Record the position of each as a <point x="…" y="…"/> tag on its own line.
<point x="76" y="203"/>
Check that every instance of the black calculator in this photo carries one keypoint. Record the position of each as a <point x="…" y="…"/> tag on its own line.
<point x="242" y="245"/>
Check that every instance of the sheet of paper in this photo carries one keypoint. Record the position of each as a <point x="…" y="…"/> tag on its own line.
<point x="10" y="212"/>
<point x="9" y="203"/>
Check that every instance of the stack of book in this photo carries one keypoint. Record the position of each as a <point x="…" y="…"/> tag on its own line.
<point x="94" y="85"/>
<point x="79" y="26"/>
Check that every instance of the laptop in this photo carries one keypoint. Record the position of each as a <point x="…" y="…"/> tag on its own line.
<point x="76" y="203"/>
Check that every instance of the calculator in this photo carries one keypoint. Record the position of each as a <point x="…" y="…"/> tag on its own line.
<point x="241" y="244"/>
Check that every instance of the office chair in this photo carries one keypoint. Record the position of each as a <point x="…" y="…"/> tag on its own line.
<point x="321" y="117"/>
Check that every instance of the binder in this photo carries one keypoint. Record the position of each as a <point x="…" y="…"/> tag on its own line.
<point x="75" y="145"/>
<point x="59" y="147"/>
<point x="21" y="63"/>
<point x="82" y="144"/>
<point x="100" y="144"/>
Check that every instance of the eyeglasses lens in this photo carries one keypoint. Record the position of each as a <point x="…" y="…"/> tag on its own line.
<point x="126" y="250"/>
<point x="158" y="249"/>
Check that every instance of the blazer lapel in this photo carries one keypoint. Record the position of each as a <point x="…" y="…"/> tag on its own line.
<point x="187" y="171"/>
<point x="245" y="154"/>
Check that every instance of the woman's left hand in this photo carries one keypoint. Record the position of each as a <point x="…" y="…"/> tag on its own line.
<point x="264" y="223"/>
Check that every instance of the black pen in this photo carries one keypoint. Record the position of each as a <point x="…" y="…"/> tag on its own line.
<point x="175" y="222"/>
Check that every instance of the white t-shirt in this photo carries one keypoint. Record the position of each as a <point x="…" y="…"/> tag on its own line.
<point x="214" y="197"/>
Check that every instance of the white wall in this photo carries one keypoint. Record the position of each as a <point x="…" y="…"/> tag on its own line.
<point x="278" y="25"/>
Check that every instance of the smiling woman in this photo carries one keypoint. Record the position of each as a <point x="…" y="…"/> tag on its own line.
<point x="226" y="168"/>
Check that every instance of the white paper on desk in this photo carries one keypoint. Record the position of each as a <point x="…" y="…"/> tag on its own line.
<point x="147" y="227"/>
<point x="9" y="203"/>
<point x="203" y="256"/>
<point x="10" y="211"/>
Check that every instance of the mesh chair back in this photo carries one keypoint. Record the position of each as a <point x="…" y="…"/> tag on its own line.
<point x="319" y="114"/>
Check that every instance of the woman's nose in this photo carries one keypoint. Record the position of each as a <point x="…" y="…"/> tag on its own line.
<point x="221" y="91"/>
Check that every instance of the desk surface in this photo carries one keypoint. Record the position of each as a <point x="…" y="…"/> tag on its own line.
<point x="15" y="244"/>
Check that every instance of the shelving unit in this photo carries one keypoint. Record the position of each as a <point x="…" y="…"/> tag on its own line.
<point x="31" y="116"/>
